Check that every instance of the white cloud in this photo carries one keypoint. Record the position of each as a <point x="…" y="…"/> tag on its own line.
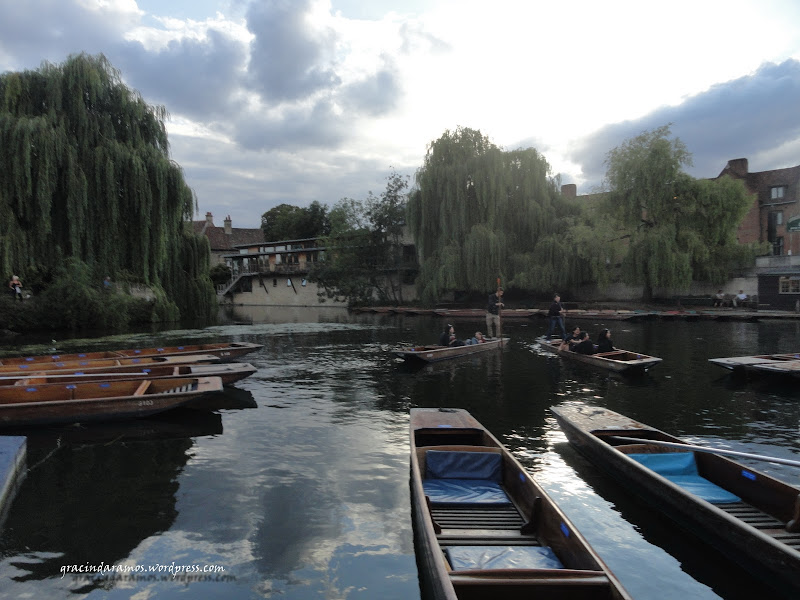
<point x="314" y="100"/>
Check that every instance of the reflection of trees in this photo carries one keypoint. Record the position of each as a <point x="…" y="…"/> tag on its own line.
<point x="95" y="503"/>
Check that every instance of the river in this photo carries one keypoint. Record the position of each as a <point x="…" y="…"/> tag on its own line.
<point x="296" y="485"/>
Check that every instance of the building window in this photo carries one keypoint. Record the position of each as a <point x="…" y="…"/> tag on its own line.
<point x="789" y="285"/>
<point x="777" y="192"/>
<point x="777" y="247"/>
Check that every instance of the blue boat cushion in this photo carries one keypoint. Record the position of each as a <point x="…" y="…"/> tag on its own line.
<point x="449" y="464"/>
<point x="464" y="491"/>
<point x="681" y="469"/>
<point x="454" y="477"/>
<point x="502" y="557"/>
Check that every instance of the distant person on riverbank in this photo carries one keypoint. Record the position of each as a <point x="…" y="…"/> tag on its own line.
<point x="585" y="346"/>
<point x="107" y="283"/>
<point x="740" y="298"/>
<point x="719" y="299"/>
<point x="15" y="287"/>
<point x="604" y="343"/>
<point x="555" y="317"/>
<point x="493" y="313"/>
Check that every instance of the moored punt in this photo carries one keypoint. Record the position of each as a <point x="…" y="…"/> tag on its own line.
<point x="225" y="351"/>
<point x="228" y="372"/>
<point x="483" y="528"/>
<point x="759" y="362"/>
<point x="437" y="353"/>
<point x="752" y="518"/>
<point x="109" y="364"/>
<point x="619" y="361"/>
<point x="106" y="400"/>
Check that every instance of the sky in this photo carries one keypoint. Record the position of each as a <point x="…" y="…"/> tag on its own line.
<point x="292" y="101"/>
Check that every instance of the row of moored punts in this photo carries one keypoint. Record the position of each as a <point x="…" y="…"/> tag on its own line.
<point x="120" y="384"/>
<point x="485" y="529"/>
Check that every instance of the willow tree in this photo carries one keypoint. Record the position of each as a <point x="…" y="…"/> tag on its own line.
<point x="680" y="228"/>
<point x="480" y="213"/>
<point x="87" y="175"/>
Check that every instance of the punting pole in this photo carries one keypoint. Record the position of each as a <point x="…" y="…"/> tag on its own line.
<point x="780" y="461"/>
<point x="499" y="320"/>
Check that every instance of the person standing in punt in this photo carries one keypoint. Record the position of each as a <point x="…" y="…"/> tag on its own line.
<point x="493" y="313"/>
<point x="555" y="317"/>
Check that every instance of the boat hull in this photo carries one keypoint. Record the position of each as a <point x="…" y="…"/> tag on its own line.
<point x="101" y="401"/>
<point x="229" y="373"/>
<point x="619" y="361"/>
<point x="224" y="351"/>
<point x="752" y="532"/>
<point x="530" y="520"/>
<point x="427" y="354"/>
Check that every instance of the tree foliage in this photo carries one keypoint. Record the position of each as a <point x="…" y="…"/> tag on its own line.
<point x="680" y="229"/>
<point x="87" y="175"/>
<point x="480" y="213"/>
<point x="288" y="222"/>
<point x="365" y="252"/>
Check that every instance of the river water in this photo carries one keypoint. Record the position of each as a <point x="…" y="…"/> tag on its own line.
<point x="295" y="485"/>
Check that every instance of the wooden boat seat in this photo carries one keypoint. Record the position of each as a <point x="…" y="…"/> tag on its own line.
<point x="681" y="469"/>
<point x="140" y="391"/>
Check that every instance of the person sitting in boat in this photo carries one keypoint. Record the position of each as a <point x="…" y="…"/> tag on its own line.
<point x="585" y="346"/>
<point x="448" y="337"/>
<point x="476" y="339"/>
<point x="572" y="339"/>
<point x="604" y="343"/>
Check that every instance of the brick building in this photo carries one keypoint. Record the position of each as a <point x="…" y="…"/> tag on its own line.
<point x="226" y="239"/>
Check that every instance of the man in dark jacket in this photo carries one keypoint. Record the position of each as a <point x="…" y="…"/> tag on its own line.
<point x="585" y="346"/>
<point x="555" y="316"/>
<point x="493" y="313"/>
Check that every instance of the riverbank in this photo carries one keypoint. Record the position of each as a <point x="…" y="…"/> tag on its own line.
<point x="620" y="313"/>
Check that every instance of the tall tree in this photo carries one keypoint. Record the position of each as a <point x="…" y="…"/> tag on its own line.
<point x="87" y="175"/>
<point x="480" y="213"/>
<point x="288" y="222"/>
<point x="365" y="251"/>
<point x="680" y="228"/>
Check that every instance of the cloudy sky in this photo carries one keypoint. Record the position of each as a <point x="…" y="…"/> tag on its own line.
<point x="291" y="101"/>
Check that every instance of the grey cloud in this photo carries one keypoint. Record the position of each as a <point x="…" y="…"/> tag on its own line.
<point x="296" y="128"/>
<point x="375" y="95"/>
<point x="37" y="30"/>
<point x="192" y="77"/>
<point x="288" y="61"/>
<point x="751" y="115"/>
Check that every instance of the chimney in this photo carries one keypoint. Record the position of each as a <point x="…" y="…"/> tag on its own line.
<point x="209" y="219"/>
<point x="737" y="167"/>
<point x="228" y="228"/>
<point x="569" y="190"/>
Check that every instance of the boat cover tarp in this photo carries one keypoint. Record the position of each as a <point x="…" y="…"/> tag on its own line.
<point x="454" y="477"/>
<point x="680" y="468"/>
<point x="502" y="557"/>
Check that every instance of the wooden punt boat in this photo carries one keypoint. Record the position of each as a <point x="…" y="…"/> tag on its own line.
<point x="619" y="361"/>
<point x="229" y="373"/>
<point x="483" y="528"/>
<point x="437" y="353"/>
<point x="106" y="400"/>
<point x="765" y="363"/>
<point x="92" y="366"/>
<point x="225" y="351"/>
<point x="752" y="518"/>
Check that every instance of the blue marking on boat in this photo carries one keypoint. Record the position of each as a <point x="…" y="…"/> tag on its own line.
<point x="564" y="529"/>
<point x="749" y="475"/>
